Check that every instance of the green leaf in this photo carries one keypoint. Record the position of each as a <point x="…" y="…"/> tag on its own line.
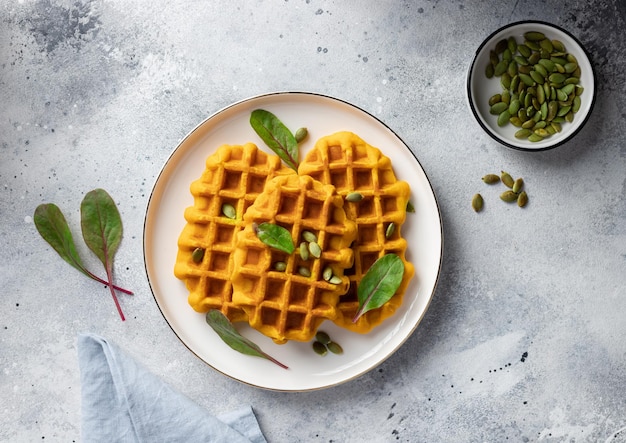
<point x="379" y="284"/>
<point x="227" y="332"/>
<point x="276" y="135"/>
<point x="52" y="226"/>
<point x="275" y="237"/>
<point x="102" y="231"/>
<point x="101" y="224"/>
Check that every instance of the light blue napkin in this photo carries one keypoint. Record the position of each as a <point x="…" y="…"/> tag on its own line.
<point x="123" y="402"/>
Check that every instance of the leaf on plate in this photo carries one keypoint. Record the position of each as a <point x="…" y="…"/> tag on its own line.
<point x="275" y="236"/>
<point x="227" y="332"/>
<point x="276" y="135"/>
<point x="379" y="284"/>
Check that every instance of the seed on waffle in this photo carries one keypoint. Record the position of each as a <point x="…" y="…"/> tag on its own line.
<point x="234" y="176"/>
<point x="351" y="165"/>
<point x="289" y="304"/>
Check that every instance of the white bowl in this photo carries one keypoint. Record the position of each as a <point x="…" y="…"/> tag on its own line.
<point x="480" y="88"/>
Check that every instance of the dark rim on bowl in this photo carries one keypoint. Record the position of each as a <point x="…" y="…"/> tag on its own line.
<point x="472" y="72"/>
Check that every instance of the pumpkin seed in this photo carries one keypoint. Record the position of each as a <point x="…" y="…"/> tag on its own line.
<point x="496" y="98"/>
<point x="301" y="134"/>
<point x="477" y="203"/>
<point x="327" y="274"/>
<point x="319" y="348"/>
<point x="322" y="337"/>
<point x="354" y="197"/>
<point x="334" y="348"/>
<point x="197" y="255"/>
<point x="539" y="75"/>
<point x="304" y="271"/>
<point x="391" y="228"/>
<point x="534" y="36"/>
<point x="309" y="236"/>
<point x="496" y="109"/>
<point x="523" y="133"/>
<point x="229" y="211"/>
<point x="315" y="250"/>
<point x="280" y="266"/>
<point x="506" y="179"/>
<point x="518" y="185"/>
<point x="522" y="199"/>
<point x="335" y="280"/>
<point x="491" y="179"/>
<point x="304" y="251"/>
<point x="508" y="196"/>
<point x="504" y="117"/>
<point x="489" y="71"/>
<point x="524" y="50"/>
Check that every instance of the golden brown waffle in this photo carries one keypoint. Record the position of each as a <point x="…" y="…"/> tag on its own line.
<point x="346" y="161"/>
<point x="286" y="305"/>
<point x="234" y="175"/>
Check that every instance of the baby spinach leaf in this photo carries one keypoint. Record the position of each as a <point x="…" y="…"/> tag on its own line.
<point x="275" y="237"/>
<point x="51" y="224"/>
<point x="379" y="284"/>
<point x="276" y="135"/>
<point x="227" y="332"/>
<point x="102" y="231"/>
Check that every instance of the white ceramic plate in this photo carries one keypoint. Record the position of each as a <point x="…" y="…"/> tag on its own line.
<point x="164" y="221"/>
<point x="480" y="88"/>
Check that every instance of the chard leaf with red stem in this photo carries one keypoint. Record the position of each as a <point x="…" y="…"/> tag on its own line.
<point x="227" y="332"/>
<point x="52" y="226"/>
<point x="102" y="231"/>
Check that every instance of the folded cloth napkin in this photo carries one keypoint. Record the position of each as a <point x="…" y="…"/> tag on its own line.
<point x="123" y="402"/>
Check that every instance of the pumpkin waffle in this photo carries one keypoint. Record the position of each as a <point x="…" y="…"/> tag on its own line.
<point x="351" y="165"/>
<point x="235" y="175"/>
<point x="286" y="305"/>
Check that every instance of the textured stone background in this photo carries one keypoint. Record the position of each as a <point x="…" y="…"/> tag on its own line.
<point x="524" y="339"/>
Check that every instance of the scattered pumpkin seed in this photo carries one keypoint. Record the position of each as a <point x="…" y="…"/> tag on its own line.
<point x="229" y="211"/>
<point x="522" y="199"/>
<point x="335" y="280"/>
<point x="508" y="196"/>
<point x="304" y="251"/>
<point x="477" y="203"/>
<point x="322" y="337"/>
<point x="320" y="348"/>
<point x="334" y="348"/>
<point x="280" y="266"/>
<point x="304" y="271"/>
<point x="309" y="236"/>
<point x="518" y="185"/>
<point x="327" y="274"/>
<point x="315" y="250"/>
<point x="391" y="228"/>
<point x="491" y="179"/>
<point x="354" y="197"/>
<point x="507" y="179"/>
<point x="301" y="134"/>
<point x="197" y="255"/>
